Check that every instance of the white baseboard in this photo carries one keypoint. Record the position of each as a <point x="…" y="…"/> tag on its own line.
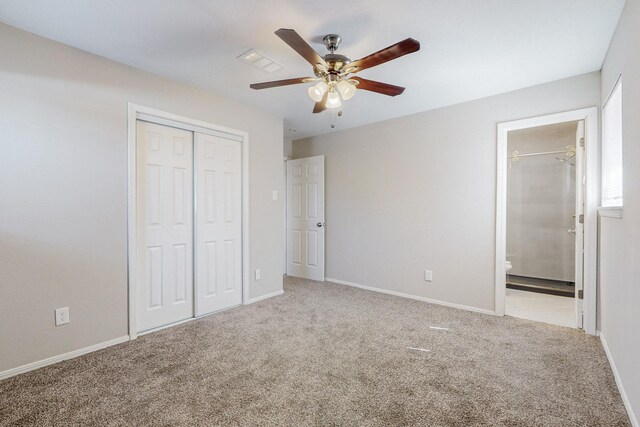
<point x="616" y="376"/>
<point x="266" y="296"/>
<point x="414" y="297"/>
<point x="55" y="359"/>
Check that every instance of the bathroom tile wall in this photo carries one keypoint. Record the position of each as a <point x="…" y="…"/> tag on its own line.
<point x="541" y="204"/>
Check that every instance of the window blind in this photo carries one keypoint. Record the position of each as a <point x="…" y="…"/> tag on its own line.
<point x="612" y="148"/>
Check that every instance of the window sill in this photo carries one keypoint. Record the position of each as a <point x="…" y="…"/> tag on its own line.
<point x="611" y="212"/>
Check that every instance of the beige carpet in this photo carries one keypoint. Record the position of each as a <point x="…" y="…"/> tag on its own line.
<point x="325" y="354"/>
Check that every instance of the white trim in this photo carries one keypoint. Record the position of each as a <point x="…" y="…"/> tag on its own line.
<point x="266" y="296"/>
<point x="245" y="219"/>
<point x="148" y="114"/>
<point x="170" y="325"/>
<point x="611" y="212"/>
<point x="153" y="118"/>
<point x="414" y="297"/>
<point x="284" y="197"/>
<point x="616" y="376"/>
<point x="162" y="117"/>
<point x="61" y="357"/>
<point x="613" y="88"/>
<point x="590" y="117"/>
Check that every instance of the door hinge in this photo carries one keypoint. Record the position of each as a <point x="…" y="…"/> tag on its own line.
<point x="581" y="219"/>
<point x="580" y="294"/>
<point x="581" y="142"/>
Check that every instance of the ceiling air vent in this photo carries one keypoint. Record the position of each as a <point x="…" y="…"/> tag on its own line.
<point x="259" y="60"/>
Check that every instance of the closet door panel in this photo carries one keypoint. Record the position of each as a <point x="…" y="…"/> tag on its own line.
<point x="165" y="225"/>
<point x="218" y="230"/>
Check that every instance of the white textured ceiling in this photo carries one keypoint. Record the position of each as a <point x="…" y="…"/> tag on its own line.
<point x="469" y="48"/>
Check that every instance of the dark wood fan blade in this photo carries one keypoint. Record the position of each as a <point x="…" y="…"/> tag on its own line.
<point x="385" y="55"/>
<point x="276" y="83"/>
<point x="322" y="105"/>
<point x="378" y="87"/>
<point x="298" y="44"/>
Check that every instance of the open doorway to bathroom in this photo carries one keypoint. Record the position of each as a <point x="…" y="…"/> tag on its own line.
<point x="542" y="205"/>
<point x="546" y="218"/>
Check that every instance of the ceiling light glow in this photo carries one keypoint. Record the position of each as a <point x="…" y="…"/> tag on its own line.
<point x="333" y="100"/>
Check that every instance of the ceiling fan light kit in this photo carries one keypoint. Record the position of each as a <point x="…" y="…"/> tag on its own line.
<point x="316" y="92"/>
<point x="347" y="88"/>
<point x="333" y="99"/>
<point x="333" y="83"/>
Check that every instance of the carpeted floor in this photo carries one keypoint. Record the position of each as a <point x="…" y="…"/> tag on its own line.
<point x="325" y="354"/>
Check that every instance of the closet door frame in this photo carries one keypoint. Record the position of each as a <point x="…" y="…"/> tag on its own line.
<point x="139" y="112"/>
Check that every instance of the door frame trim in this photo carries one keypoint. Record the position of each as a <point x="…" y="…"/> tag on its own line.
<point x="591" y="200"/>
<point x="153" y="115"/>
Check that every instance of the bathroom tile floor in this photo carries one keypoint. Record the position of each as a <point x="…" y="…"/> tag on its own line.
<point x="551" y="309"/>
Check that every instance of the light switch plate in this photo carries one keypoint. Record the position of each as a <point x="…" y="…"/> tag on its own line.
<point x="258" y="274"/>
<point x="428" y="275"/>
<point x="274" y="195"/>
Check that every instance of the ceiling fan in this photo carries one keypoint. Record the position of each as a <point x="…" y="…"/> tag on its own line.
<point x="333" y="71"/>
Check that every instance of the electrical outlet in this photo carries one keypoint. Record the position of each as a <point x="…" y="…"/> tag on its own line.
<point x="428" y="275"/>
<point x="258" y="274"/>
<point x="62" y="316"/>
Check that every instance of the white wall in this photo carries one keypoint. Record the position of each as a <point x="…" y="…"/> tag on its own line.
<point x="287" y="150"/>
<point x="541" y="202"/>
<point x="620" y="238"/>
<point x="63" y="192"/>
<point x="418" y="192"/>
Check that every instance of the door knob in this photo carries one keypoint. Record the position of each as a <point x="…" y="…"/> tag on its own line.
<point x="571" y="231"/>
<point x="320" y="224"/>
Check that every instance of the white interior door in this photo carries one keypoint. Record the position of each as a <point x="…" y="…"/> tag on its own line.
<point x="305" y="218"/>
<point x="218" y="231"/>
<point x="579" y="222"/>
<point x="165" y="225"/>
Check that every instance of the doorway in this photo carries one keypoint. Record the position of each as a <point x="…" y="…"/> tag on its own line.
<point x="305" y="256"/>
<point x="544" y="195"/>
<point x="546" y="219"/>
<point x="187" y="219"/>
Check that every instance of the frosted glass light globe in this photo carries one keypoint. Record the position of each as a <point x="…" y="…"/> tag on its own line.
<point x="333" y="100"/>
<point x="346" y="89"/>
<point x="316" y="92"/>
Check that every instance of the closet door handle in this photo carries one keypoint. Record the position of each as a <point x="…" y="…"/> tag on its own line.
<point x="320" y="224"/>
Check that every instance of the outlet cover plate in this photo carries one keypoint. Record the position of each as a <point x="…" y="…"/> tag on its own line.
<point x="428" y="275"/>
<point x="62" y="316"/>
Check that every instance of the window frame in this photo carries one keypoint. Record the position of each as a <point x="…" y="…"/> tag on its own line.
<point x="609" y="207"/>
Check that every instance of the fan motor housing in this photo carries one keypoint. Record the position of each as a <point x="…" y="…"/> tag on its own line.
<point x="336" y="62"/>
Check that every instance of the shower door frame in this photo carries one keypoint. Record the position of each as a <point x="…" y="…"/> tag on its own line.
<point x="591" y="200"/>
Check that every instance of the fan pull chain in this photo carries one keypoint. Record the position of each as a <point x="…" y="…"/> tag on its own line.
<point x="333" y="118"/>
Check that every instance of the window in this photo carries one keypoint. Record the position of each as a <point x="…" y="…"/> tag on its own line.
<point x="612" y="148"/>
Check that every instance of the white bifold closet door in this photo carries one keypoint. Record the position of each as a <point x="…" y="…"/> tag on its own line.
<point x="165" y="225"/>
<point x="218" y="231"/>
